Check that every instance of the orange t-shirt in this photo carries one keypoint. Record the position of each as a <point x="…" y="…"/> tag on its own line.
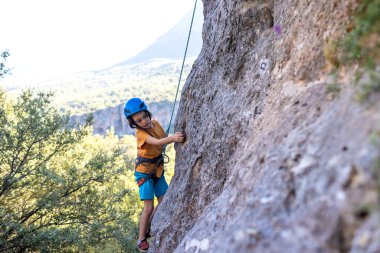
<point x="147" y="150"/>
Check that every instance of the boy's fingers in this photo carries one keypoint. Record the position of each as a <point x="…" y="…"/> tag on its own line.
<point x="180" y="137"/>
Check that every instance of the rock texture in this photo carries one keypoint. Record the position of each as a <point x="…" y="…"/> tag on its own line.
<point x="272" y="162"/>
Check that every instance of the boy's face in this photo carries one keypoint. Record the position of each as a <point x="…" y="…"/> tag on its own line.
<point x="142" y="120"/>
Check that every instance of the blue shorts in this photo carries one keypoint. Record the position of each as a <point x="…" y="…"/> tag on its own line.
<point x="148" y="189"/>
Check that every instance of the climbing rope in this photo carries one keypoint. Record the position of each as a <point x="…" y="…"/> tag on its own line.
<point x="183" y="63"/>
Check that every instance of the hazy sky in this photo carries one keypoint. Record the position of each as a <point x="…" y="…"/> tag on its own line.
<point x="47" y="38"/>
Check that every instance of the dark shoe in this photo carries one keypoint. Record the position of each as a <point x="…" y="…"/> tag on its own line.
<point x="143" y="245"/>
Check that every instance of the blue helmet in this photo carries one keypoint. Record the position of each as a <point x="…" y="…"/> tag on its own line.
<point x="134" y="105"/>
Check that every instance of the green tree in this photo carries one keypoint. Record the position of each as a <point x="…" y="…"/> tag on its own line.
<point x="61" y="189"/>
<point x="3" y="57"/>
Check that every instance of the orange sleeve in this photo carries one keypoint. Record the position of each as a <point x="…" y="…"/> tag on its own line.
<point x="160" y="130"/>
<point x="141" y="137"/>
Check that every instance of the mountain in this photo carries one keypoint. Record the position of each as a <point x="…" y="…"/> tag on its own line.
<point x="152" y="75"/>
<point x="158" y="67"/>
<point x="172" y="43"/>
<point x="104" y="94"/>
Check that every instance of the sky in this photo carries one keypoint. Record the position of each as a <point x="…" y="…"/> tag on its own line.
<point x="51" y="38"/>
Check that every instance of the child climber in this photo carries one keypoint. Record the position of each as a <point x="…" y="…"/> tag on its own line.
<point x="149" y="172"/>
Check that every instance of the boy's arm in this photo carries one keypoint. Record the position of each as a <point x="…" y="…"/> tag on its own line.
<point x="177" y="137"/>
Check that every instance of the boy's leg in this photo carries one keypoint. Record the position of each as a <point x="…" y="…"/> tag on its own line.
<point x="159" y="200"/>
<point x="145" y="216"/>
<point x="146" y="191"/>
<point x="160" y="188"/>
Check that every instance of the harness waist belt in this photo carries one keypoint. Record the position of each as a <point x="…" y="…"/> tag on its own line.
<point x="156" y="160"/>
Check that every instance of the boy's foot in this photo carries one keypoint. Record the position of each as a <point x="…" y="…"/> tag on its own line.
<point x="143" y="245"/>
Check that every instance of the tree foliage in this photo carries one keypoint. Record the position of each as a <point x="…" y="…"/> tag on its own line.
<point x="363" y="42"/>
<point x="61" y="189"/>
<point x="3" y="57"/>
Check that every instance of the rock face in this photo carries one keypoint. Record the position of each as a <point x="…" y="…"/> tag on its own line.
<point x="272" y="162"/>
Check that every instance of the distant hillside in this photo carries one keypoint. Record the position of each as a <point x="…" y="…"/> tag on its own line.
<point x="172" y="44"/>
<point x="152" y="75"/>
<point x="113" y="117"/>
<point x="154" y="81"/>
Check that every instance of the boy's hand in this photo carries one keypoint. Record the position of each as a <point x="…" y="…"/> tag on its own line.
<point x="178" y="137"/>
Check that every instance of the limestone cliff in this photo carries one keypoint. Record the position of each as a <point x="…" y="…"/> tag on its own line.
<point x="272" y="162"/>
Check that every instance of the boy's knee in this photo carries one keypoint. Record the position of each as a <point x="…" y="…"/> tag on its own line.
<point x="148" y="208"/>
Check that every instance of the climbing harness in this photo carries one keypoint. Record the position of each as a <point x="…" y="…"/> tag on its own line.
<point x="140" y="160"/>
<point x="160" y="159"/>
<point x="157" y="163"/>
